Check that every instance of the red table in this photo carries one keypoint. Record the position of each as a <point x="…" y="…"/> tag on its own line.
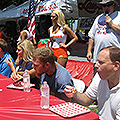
<point x="18" y="105"/>
<point x="81" y="70"/>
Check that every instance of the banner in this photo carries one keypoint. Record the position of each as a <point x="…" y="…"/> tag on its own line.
<point x="69" y="8"/>
<point x="42" y="8"/>
<point x="89" y="8"/>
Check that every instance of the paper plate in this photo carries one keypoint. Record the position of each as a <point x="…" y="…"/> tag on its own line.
<point x="69" y="109"/>
<point x="18" y="87"/>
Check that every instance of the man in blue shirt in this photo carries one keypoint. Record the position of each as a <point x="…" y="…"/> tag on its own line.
<point x="4" y="55"/>
<point x="56" y="76"/>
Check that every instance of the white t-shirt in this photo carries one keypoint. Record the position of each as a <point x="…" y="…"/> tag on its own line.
<point x="108" y="99"/>
<point x="103" y="35"/>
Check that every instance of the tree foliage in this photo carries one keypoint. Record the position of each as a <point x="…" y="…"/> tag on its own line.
<point x="6" y="3"/>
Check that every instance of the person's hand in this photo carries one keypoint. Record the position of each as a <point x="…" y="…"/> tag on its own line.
<point x="69" y="91"/>
<point x="108" y="20"/>
<point x="89" y="56"/>
<point x="13" y="76"/>
<point x="10" y="64"/>
<point x="62" y="45"/>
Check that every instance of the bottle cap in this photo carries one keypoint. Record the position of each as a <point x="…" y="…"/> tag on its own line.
<point x="25" y="72"/>
<point x="44" y="83"/>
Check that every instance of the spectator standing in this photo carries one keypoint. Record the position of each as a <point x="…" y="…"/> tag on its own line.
<point x="105" y="30"/>
<point x="58" y="36"/>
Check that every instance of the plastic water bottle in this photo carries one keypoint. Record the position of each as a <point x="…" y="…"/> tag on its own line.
<point x="44" y="95"/>
<point x="26" y="80"/>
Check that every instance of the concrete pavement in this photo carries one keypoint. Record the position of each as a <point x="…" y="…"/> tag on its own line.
<point x="78" y="51"/>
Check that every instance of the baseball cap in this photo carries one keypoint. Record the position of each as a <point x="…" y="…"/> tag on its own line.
<point x="106" y="1"/>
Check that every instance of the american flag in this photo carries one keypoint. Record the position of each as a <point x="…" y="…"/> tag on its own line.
<point x="31" y="18"/>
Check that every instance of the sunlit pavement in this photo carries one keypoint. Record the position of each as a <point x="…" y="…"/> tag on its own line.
<point x="78" y="52"/>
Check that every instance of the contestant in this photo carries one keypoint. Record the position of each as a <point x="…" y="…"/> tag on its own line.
<point x="25" y="50"/>
<point x="105" y="86"/>
<point x="56" y="76"/>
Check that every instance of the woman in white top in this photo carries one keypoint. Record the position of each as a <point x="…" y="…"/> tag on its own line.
<point x="58" y="36"/>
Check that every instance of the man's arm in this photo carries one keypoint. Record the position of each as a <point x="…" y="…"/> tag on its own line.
<point x="32" y="73"/>
<point x="80" y="98"/>
<point x="90" y="46"/>
<point x="64" y="97"/>
<point x="14" y="74"/>
<point x="116" y="28"/>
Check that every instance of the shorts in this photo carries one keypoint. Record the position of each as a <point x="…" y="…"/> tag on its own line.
<point x="60" y="52"/>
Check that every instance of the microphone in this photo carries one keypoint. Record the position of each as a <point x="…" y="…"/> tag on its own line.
<point x="106" y="13"/>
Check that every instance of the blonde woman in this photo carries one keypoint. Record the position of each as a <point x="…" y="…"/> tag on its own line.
<point x="25" y="50"/>
<point x="24" y="34"/>
<point x="58" y="36"/>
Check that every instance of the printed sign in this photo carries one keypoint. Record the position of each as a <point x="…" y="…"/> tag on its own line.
<point x="87" y="8"/>
<point x="42" y="8"/>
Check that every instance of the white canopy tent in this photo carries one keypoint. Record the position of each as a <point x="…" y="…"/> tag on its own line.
<point x="69" y="7"/>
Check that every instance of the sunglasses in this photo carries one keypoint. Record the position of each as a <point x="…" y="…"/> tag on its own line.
<point x="107" y="5"/>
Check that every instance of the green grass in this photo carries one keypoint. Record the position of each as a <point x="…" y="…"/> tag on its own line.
<point x="93" y="109"/>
